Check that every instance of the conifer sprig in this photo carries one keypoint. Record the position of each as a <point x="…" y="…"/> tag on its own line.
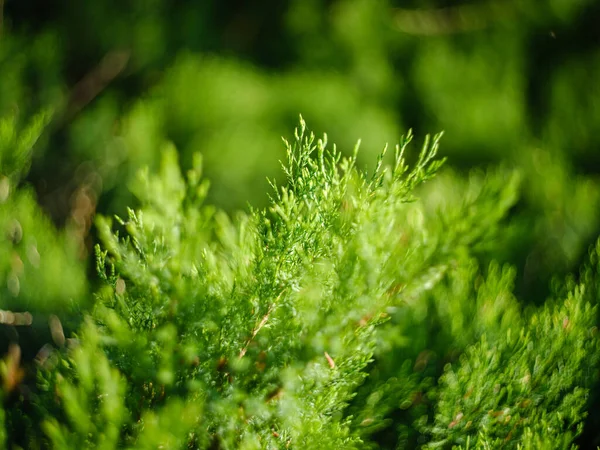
<point x="358" y="310"/>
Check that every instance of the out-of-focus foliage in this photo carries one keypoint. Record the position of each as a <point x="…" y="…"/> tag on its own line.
<point x="40" y="267"/>
<point x="512" y="83"/>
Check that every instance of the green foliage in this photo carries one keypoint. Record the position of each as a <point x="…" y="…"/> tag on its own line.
<point x="270" y="305"/>
<point x="356" y="311"/>
<point x="17" y="145"/>
<point x="91" y="394"/>
<point x="513" y="83"/>
<point x="351" y="306"/>
<point x="40" y="269"/>
<point x="528" y="386"/>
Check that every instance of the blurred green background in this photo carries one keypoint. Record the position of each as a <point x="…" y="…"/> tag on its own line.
<point x="512" y="83"/>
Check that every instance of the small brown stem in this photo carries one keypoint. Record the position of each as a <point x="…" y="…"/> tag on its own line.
<point x="259" y="326"/>
<point x="92" y="84"/>
<point x="330" y="360"/>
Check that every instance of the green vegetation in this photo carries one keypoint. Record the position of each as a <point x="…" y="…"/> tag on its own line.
<point x="314" y="323"/>
<point x="435" y="298"/>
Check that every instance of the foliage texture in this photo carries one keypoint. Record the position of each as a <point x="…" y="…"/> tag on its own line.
<point x="358" y="310"/>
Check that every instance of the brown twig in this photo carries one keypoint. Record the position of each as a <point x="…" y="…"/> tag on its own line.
<point x="92" y="84"/>
<point x="330" y="360"/>
<point x="259" y="326"/>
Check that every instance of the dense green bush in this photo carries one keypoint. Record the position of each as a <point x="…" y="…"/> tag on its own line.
<point x="355" y="311"/>
<point x="486" y="246"/>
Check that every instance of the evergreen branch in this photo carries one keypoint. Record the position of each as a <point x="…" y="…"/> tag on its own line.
<point x="373" y="304"/>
